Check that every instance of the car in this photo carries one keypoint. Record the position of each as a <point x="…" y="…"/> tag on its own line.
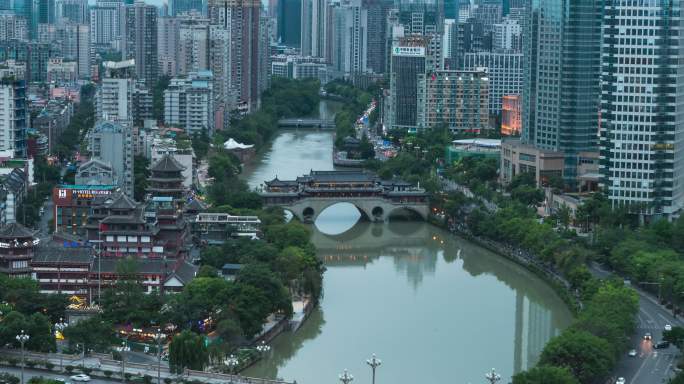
<point x="620" y="380"/>
<point x="647" y="336"/>
<point x="80" y="377"/>
<point x="668" y="327"/>
<point x="662" y="345"/>
<point x="632" y="353"/>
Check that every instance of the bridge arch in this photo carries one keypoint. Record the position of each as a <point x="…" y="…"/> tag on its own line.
<point x="395" y="210"/>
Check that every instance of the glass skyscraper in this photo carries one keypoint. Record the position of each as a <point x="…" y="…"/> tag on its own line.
<point x="562" y="51"/>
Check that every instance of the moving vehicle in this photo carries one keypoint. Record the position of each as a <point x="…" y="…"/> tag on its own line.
<point x="662" y="345"/>
<point x="648" y="336"/>
<point x="80" y="377"/>
<point x="632" y="353"/>
<point x="668" y="327"/>
<point x="620" y="380"/>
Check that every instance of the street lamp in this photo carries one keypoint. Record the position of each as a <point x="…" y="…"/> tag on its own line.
<point x="346" y="377"/>
<point x="59" y="327"/>
<point x="232" y="362"/>
<point x="159" y="337"/>
<point x="263" y="348"/>
<point x="122" y="350"/>
<point x="22" y="338"/>
<point x="373" y="362"/>
<point x="492" y="376"/>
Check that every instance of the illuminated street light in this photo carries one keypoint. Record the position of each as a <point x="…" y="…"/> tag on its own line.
<point x="232" y="362"/>
<point x="346" y="377"/>
<point x="492" y="376"/>
<point x="263" y="348"/>
<point x="122" y="350"/>
<point x="374" y="363"/>
<point x="159" y="338"/>
<point x="22" y="338"/>
<point x="60" y="327"/>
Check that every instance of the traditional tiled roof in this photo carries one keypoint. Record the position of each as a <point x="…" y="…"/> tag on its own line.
<point x="122" y="202"/>
<point x="15" y="231"/>
<point x="167" y="164"/>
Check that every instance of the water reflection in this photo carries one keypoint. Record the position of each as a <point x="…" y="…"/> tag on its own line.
<point x="418" y="297"/>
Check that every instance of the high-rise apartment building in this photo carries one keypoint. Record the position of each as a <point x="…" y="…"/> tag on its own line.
<point x="75" y="11"/>
<point x="350" y="38"/>
<point x="193" y="45"/>
<point x="105" y="26"/>
<point x="36" y="56"/>
<point x="12" y="26"/>
<point x="13" y="116"/>
<point x="642" y="127"/>
<point x="111" y="143"/>
<point x="505" y="72"/>
<point x="507" y="36"/>
<point x="290" y="23"/>
<point x="115" y="94"/>
<point x="316" y="28"/>
<point x="242" y="18"/>
<point x="139" y="39"/>
<point x="457" y="99"/>
<point x="562" y="53"/>
<point x="73" y="41"/>
<point x="376" y="51"/>
<point x="189" y="103"/>
<point x="168" y="30"/>
<point x="225" y="97"/>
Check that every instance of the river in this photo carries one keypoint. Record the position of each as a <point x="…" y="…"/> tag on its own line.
<point x="435" y="308"/>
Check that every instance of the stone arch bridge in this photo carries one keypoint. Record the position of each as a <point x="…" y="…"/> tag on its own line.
<point x="309" y="195"/>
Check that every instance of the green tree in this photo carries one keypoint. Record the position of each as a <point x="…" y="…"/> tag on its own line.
<point x="675" y="336"/>
<point x="95" y="332"/>
<point x="187" y="350"/>
<point x="545" y="375"/>
<point x="141" y="173"/>
<point x="588" y="357"/>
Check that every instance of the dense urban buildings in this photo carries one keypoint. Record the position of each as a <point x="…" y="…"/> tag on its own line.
<point x="139" y="39"/>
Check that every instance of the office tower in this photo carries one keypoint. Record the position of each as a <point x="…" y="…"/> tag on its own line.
<point x="407" y="63"/>
<point x="350" y="38"/>
<point x="450" y="29"/>
<point x="505" y="72"/>
<point x="179" y="7"/>
<point x="105" y="27"/>
<point x="488" y="14"/>
<point x="511" y="121"/>
<point x="376" y="51"/>
<point x="189" y="103"/>
<point x="193" y="45"/>
<point x="139" y="39"/>
<point x="75" y="11"/>
<point x="12" y="26"/>
<point x="642" y="161"/>
<point x="421" y="18"/>
<point x="13" y="116"/>
<point x="242" y="18"/>
<point x="562" y="53"/>
<point x="316" y="28"/>
<point x="457" y="99"/>
<point x="115" y="94"/>
<point x="110" y="142"/>
<point x="290" y="23"/>
<point x="168" y="31"/>
<point x="468" y="36"/>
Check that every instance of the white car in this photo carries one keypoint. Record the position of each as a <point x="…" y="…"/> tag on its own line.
<point x="632" y="353"/>
<point x="668" y="327"/>
<point x="80" y="377"/>
<point x="620" y="380"/>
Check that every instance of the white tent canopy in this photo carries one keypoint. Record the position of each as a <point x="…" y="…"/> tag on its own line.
<point x="232" y="144"/>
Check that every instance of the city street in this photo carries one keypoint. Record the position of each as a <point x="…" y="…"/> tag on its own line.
<point x="651" y="365"/>
<point x="29" y="373"/>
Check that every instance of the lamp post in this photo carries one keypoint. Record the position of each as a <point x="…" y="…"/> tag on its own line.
<point x="232" y="362"/>
<point x="492" y="376"/>
<point x="346" y="377"/>
<point x="263" y="348"/>
<point x="59" y="327"/>
<point x="22" y="338"/>
<point x="122" y="350"/>
<point x="374" y="363"/>
<point x="159" y="337"/>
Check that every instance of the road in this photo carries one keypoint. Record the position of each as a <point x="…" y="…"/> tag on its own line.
<point x="650" y="366"/>
<point x="29" y="373"/>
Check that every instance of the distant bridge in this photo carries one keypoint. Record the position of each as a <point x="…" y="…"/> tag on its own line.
<point x="309" y="195"/>
<point x="306" y="123"/>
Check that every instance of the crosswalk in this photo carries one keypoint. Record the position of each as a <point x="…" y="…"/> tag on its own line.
<point x="649" y="328"/>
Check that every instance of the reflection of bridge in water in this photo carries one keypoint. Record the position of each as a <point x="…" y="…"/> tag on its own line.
<point x="416" y="248"/>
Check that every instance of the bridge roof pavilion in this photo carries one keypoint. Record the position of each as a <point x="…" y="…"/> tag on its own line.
<point x="338" y="177"/>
